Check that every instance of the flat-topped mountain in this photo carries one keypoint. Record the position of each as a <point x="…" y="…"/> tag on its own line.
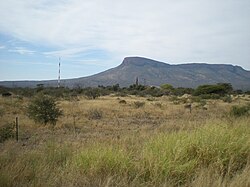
<point x="151" y="72"/>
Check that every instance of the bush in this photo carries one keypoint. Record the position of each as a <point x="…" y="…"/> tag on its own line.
<point x="92" y="93"/>
<point x="210" y="96"/>
<point x="43" y="109"/>
<point x="7" y="132"/>
<point x="2" y="112"/>
<point x="218" y="89"/>
<point x="238" y="111"/>
<point x="202" y="103"/>
<point x="227" y="99"/>
<point x="95" y="114"/>
<point x="123" y="102"/>
<point x="139" y="104"/>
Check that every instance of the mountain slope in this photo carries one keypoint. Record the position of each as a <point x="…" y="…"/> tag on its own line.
<point x="151" y="72"/>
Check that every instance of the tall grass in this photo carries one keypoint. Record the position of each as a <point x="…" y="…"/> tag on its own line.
<point x="213" y="155"/>
<point x="179" y="157"/>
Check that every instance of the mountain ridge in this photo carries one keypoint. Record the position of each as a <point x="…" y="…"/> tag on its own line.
<point x="155" y="73"/>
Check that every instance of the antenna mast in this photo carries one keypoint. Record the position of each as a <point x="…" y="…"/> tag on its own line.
<point x="59" y="72"/>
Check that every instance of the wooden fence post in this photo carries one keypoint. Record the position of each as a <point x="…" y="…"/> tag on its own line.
<point x="17" y="129"/>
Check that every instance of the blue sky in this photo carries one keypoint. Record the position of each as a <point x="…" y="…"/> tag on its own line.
<point x="93" y="35"/>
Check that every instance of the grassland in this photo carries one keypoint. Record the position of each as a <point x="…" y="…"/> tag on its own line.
<point x="106" y="142"/>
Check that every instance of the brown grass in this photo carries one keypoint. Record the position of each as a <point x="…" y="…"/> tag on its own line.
<point x="125" y="147"/>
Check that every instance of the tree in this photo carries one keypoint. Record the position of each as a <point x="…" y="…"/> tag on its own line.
<point x="43" y="110"/>
<point x="92" y="93"/>
<point x="220" y="89"/>
<point x="167" y="87"/>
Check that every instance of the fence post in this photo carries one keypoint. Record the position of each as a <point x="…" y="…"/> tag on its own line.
<point x="17" y="129"/>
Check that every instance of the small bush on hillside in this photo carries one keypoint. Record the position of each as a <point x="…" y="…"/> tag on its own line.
<point x="196" y="99"/>
<point x="2" y="112"/>
<point x="139" y="104"/>
<point x="121" y="94"/>
<point x="95" y="114"/>
<point x="202" y="103"/>
<point x="238" y="111"/>
<point x="227" y="99"/>
<point x="7" y="132"/>
<point x="173" y="98"/>
<point x="92" y="93"/>
<point x="43" y="110"/>
<point x="123" y="102"/>
<point x="210" y="96"/>
<point x="151" y="99"/>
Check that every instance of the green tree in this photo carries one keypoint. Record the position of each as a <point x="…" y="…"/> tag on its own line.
<point x="43" y="109"/>
<point x="220" y="89"/>
<point x="167" y="87"/>
<point x="92" y="93"/>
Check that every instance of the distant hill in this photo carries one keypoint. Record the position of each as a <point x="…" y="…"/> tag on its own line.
<point x="151" y="72"/>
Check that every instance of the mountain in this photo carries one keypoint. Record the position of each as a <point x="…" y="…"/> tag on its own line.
<point x="151" y="72"/>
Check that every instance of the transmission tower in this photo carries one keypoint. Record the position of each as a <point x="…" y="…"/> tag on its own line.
<point x="59" y="73"/>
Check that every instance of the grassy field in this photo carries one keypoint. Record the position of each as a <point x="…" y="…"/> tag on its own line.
<point x="128" y="141"/>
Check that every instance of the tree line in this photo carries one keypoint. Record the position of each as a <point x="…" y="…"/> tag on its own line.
<point x="207" y="91"/>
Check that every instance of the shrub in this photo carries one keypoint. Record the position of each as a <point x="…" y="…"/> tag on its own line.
<point x="92" y="93"/>
<point x="210" y="96"/>
<point x="227" y="99"/>
<point x="219" y="89"/>
<point x="6" y="94"/>
<point x="173" y="98"/>
<point x="139" y="104"/>
<point x="2" y="112"/>
<point x="43" y="109"/>
<point x="95" y="114"/>
<point x="202" y="103"/>
<point x="238" y="111"/>
<point x="122" y="102"/>
<point x="151" y="99"/>
<point x="7" y="132"/>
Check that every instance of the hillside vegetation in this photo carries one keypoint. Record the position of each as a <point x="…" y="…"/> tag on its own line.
<point x="128" y="141"/>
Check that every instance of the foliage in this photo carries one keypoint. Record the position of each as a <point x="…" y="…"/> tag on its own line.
<point x="181" y="91"/>
<point x="95" y="114"/>
<point x="227" y="99"/>
<point x="205" y="91"/>
<point x="43" y="109"/>
<point x="238" y="111"/>
<point x="2" y="112"/>
<point x="139" y="104"/>
<point x="92" y="93"/>
<point x="210" y="96"/>
<point x="6" y="94"/>
<point x="7" y="132"/>
<point x="220" y="89"/>
<point x="138" y="87"/>
<point x="123" y="101"/>
<point x="167" y="87"/>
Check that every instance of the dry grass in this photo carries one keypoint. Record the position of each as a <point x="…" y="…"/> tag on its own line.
<point x="159" y="144"/>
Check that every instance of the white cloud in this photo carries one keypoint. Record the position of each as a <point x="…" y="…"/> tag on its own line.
<point x="175" y="31"/>
<point x="22" y="51"/>
<point x="72" y="52"/>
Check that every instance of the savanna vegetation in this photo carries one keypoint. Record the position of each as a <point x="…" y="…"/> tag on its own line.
<point x="135" y="136"/>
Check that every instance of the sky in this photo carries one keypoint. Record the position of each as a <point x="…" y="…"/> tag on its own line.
<point x="91" y="36"/>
